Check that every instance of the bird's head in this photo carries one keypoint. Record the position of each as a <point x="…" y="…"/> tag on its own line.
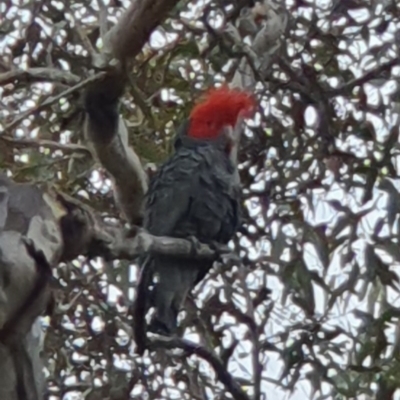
<point x="218" y="114"/>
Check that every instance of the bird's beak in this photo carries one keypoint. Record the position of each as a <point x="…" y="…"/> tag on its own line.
<point x="234" y="133"/>
<point x="237" y="131"/>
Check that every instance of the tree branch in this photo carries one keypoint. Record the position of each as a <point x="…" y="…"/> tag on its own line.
<point x="65" y="148"/>
<point x="52" y="100"/>
<point x="126" y="39"/>
<point x="105" y="130"/>
<point x="39" y="74"/>
<point x="23" y="290"/>
<point x="85" y="232"/>
<point x="193" y="348"/>
<point x="124" y="247"/>
<point x="375" y="73"/>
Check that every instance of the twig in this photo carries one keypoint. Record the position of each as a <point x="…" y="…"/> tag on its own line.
<point x="53" y="100"/>
<point x="66" y="148"/>
<point x="39" y="74"/>
<point x="193" y="348"/>
<point x="83" y="36"/>
<point x="250" y="313"/>
<point x="103" y="13"/>
<point x="346" y="88"/>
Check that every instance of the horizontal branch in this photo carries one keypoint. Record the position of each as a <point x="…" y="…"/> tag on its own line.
<point x="39" y="74"/>
<point x="94" y="237"/>
<point x="193" y="348"/>
<point x="123" y="247"/>
<point x="35" y="143"/>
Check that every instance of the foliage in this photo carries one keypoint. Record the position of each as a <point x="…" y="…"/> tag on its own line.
<point x="313" y="311"/>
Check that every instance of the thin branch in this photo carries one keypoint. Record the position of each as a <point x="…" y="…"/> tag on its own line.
<point x="84" y="38"/>
<point x="65" y="148"/>
<point x="348" y="87"/>
<point x="250" y="313"/>
<point x="38" y="74"/>
<point x="53" y="100"/>
<point x="193" y="348"/>
<point x="103" y="14"/>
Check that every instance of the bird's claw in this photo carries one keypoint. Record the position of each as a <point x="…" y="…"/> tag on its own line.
<point x="216" y="247"/>
<point x="158" y="328"/>
<point x="195" y="244"/>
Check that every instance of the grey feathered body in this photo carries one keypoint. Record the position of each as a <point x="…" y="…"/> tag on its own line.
<point x="195" y="193"/>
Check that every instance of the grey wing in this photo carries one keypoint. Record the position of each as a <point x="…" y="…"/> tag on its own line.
<point x="170" y="194"/>
<point x="217" y="210"/>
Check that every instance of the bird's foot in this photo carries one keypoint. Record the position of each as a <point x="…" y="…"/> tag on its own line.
<point x="195" y="245"/>
<point x="159" y="328"/>
<point x="217" y="248"/>
<point x="214" y="245"/>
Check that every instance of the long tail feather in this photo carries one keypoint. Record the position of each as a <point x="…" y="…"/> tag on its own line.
<point x="140" y="308"/>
